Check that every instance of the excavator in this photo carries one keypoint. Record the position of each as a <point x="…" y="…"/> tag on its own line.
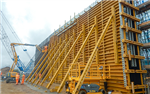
<point x="10" y="76"/>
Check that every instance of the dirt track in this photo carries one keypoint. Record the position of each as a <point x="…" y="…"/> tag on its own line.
<point x="12" y="88"/>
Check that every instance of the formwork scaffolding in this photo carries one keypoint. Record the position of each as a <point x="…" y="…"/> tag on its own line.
<point x="105" y="34"/>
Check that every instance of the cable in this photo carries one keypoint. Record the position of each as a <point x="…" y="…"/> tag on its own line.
<point x="13" y="32"/>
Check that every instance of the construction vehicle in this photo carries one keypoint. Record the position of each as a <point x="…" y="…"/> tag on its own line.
<point x="0" y="73"/>
<point x="6" y="43"/>
<point x="10" y="76"/>
<point x="92" y="80"/>
<point x="103" y="37"/>
<point x="20" y="65"/>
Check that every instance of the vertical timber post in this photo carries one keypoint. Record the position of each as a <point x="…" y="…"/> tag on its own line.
<point x="114" y="35"/>
<point x="96" y="38"/>
<point x="83" y="38"/>
<point x="74" y="38"/>
<point x="66" y="37"/>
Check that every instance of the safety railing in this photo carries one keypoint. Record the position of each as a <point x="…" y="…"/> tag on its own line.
<point x="96" y="71"/>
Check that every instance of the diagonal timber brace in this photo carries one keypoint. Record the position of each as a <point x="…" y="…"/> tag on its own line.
<point x="49" y="53"/>
<point x="51" y="58"/>
<point x="80" y="82"/>
<point x="55" y="62"/>
<point x="39" y="61"/>
<point x="77" y="56"/>
<point x="37" y="64"/>
<point x="63" y="62"/>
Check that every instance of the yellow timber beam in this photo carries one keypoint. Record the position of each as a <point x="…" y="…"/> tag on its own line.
<point x="49" y="53"/>
<point x="135" y="71"/>
<point x="76" y="58"/>
<point x="133" y="56"/>
<point x="115" y="36"/>
<point x="129" y="5"/>
<point x="44" y="63"/>
<point x="63" y="62"/>
<point x="55" y="62"/>
<point x="80" y="82"/>
<point x="136" y="87"/>
<point x="129" y="16"/>
<point x="132" y="42"/>
<point x="83" y="38"/>
<point x="37" y="64"/>
<point x="131" y="29"/>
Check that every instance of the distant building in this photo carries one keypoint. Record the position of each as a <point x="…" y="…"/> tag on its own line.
<point x="144" y="25"/>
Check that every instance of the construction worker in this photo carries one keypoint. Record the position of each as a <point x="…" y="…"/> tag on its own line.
<point x="23" y="78"/>
<point x="17" y="78"/>
<point x="1" y="73"/>
<point x="45" y="47"/>
<point x="40" y="76"/>
<point x="36" y="75"/>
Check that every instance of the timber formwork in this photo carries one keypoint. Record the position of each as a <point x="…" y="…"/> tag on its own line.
<point x="75" y="43"/>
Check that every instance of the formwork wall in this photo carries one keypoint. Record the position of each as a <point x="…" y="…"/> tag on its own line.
<point x="122" y="73"/>
<point x="106" y="52"/>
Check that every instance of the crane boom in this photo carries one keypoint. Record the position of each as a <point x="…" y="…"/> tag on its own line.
<point x="6" y="42"/>
<point x="16" y="59"/>
<point x="12" y="30"/>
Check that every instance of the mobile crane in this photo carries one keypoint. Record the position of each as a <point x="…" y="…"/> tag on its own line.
<point x="11" y="75"/>
<point x="21" y="67"/>
<point x="11" y="50"/>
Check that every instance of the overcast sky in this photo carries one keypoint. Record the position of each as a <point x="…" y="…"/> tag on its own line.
<point x="35" y="20"/>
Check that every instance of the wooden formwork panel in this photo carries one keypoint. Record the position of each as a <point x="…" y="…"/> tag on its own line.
<point x="106" y="51"/>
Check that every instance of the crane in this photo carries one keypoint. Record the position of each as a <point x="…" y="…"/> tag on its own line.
<point x="12" y="31"/>
<point x="6" y="42"/>
<point x="12" y="53"/>
<point x="16" y="59"/>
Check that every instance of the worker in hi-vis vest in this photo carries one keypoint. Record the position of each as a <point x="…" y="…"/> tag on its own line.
<point x="1" y="73"/>
<point x="40" y="76"/>
<point x="36" y="75"/>
<point x="17" y="78"/>
<point x="45" y="47"/>
<point x="23" y="78"/>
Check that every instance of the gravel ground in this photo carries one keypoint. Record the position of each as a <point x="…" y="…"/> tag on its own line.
<point x="12" y="88"/>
